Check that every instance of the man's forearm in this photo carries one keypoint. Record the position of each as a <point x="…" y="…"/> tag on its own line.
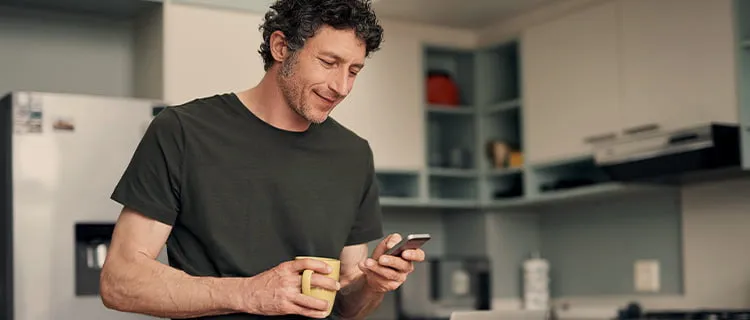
<point x="146" y="286"/>
<point x="355" y="301"/>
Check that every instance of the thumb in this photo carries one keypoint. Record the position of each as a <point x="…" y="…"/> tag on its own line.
<point x="387" y="243"/>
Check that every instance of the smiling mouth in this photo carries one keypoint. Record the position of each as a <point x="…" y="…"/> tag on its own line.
<point x="329" y="100"/>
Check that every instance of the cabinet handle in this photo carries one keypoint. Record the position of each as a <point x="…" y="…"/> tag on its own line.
<point x="600" y="138"/>
<point x="641" y="129"/>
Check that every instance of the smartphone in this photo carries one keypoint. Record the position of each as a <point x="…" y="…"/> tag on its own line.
<point x="412" y="241"/>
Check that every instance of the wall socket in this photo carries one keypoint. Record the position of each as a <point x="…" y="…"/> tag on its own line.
<point x="647" y="276"/>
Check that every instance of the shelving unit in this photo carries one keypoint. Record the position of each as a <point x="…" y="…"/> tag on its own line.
<point x="399" y="187"/>
<point x="742" y="10"/>
<point x="452" y="176"/>
<point x="500" y="124"/>
<point x="475" y="146"/>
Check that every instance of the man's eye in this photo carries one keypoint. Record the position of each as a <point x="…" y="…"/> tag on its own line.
<point x="327" y="63"/>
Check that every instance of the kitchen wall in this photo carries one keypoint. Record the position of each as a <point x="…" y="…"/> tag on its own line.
<point x="697" y="231"/>
<point x="591" y="246"/>
<point x="715" y="263"/>
<point x="47" y="51"/>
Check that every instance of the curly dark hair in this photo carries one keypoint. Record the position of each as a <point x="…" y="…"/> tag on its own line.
<point x="301" y="19"/>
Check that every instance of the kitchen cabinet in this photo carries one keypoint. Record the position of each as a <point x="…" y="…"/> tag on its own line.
<point x="570" y="83"/>
<point x="385" y="105"/>
<point x="197" y="62"/>
<point x="678" y="63"/>
<point x="626" y="67"/>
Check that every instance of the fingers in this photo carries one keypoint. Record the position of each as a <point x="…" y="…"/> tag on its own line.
<point x="310" y="264"/>
<point x="383" y="271"/>
<point x="309" y="307"/>
<point x="323" y="282"/>
<point x="414" y="255"/>
<point x="383" y="282"/>
<point x="396" y="263"/>
<point x="387" y="243"/>
<point x="308" y="302"/>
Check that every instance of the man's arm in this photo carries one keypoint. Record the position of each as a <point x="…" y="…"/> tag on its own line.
<point x="133" y="281"/>
<point x="354" y="300"/>
<point x="364" y="281"/>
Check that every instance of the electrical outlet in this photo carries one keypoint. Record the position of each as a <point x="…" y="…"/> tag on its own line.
<point x="647" y="276"/>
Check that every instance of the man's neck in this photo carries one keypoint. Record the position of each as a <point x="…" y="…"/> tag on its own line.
<point x="267" y="102"/>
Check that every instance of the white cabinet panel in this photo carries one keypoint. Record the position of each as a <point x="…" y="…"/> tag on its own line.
<point x="209" y="51"/>
<point x="385" y="105"/>
<point x="571" y="83"/>
<point x="678" y="63"/>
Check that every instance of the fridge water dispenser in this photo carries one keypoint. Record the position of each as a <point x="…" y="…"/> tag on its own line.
<point x="91" y="245"/>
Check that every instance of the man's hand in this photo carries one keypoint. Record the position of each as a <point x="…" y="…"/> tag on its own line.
<point x="385" y="272"/>
<point x="278" y="290"/>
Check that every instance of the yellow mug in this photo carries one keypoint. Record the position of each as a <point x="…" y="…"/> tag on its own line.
<point x="320" y="293"/>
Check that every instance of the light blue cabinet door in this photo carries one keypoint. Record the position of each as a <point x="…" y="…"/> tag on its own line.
<point x="260" y="6"/>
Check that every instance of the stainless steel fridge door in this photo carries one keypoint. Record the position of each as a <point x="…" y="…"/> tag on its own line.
<point x="68" y="152"/>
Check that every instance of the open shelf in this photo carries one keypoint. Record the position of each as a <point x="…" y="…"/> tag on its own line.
<point x="452" y="189"/>
<point x="456" y="64"/>
<point x="502" y="139"/>
<point x="505" y="185"/>
<point x="451" y="141"/>
<point x="499" y="76"/>
<point x="402" y="185"/>
<point x="558" y="177"/>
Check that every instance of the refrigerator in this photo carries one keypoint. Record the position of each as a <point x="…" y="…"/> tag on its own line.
<point x="62" y="156"/>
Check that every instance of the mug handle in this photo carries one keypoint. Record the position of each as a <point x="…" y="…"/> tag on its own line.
<point x="306" y="281"/>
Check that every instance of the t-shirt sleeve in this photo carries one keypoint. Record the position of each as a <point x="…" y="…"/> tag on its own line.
<point x="368" y="224"/>
<point x="151" y="182"/>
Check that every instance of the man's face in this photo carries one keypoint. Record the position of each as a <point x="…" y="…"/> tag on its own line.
<point x="319" y="76"/>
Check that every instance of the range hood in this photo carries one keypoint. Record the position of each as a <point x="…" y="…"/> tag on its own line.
<point x="700" y="152"/>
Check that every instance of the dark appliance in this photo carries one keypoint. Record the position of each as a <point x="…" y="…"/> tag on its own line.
<point x="673" y="156"/>
<point x="440" y="286"/>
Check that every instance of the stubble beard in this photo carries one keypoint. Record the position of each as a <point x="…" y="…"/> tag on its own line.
<point x="291" y="90"/>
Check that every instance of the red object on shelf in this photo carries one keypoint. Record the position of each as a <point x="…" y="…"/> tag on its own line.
<point x="441" y="89"/>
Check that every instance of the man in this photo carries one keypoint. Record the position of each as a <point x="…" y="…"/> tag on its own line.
<point x="238" y="185"/>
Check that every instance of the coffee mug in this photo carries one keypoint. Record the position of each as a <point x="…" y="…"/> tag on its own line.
<point x="320" y="293"/>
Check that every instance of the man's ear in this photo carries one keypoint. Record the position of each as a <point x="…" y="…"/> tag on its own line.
<point x="278" y="46"/>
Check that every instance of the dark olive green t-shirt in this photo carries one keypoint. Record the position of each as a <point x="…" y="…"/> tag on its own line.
<point x="244" y="196"/>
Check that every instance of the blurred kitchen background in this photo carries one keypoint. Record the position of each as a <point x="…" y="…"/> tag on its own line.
<point x="587" y="156"/>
